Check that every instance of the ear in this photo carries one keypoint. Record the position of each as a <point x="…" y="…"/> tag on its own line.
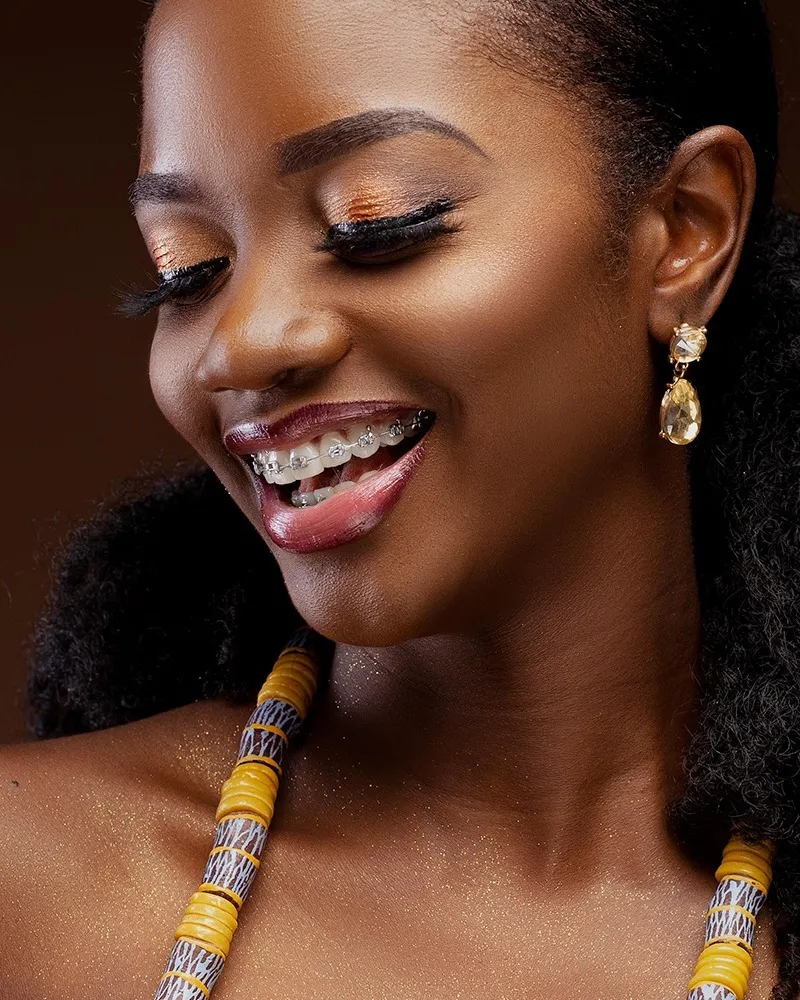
<point x="699" y="216"/>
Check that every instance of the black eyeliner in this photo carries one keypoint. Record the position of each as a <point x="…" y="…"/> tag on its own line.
<point x="171" y="283"/>
<point x="363" y="235"/>
<point x="350" y="235"/>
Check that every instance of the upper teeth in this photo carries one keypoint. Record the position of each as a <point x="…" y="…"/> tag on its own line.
<point x="334" y="448"/>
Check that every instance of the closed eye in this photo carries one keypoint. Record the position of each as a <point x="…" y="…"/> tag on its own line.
<point x="379" y="240"/>
<point x="181" y="285"/>
<point x="367" y="241"/>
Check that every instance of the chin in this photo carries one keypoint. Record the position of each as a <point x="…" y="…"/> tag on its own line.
<point x="355" y="606"/>
<point x="363" y="596"/>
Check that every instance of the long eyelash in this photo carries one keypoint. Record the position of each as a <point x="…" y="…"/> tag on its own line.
<point x="365" y="235"/>
<point x="172" y="284"/>
<point x="383" y="233"/>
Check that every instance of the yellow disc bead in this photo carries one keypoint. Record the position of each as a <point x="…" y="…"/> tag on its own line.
<point x="726" y="964"/>
<point x="764" y="849"/>
<point x="255" y="758"/>
<point x="251" y="788"/>
<point x="298" y="661"/>
<point x="746" y="867"/>
<point x="209" y="919"/>
<point x="296" y="657"/>
<point x="234" y="897"/>
<point x="210" y="937"/>
<point x="294" y="651"/>
<point x="732" y="908"/>
<point x="219" y="910"/>
<point x="287" y="689"/>
<point x="292" y="679"/>
<point x="752" y="862"/>
<point x="300" y="676"/>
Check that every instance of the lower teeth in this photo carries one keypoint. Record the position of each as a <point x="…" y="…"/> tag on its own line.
<point x="318" y="496"/>
<point x="311" y="499"/>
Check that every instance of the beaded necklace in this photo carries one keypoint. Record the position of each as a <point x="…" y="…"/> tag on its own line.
<point x="203" y="938"/>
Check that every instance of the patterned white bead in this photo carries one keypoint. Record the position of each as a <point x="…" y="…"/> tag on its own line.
<point x="275" y="712"/>
<point x="730" y="923"/>
<point x="194" y="961"/>
<point x="262" y="743"/>
<point x="243" y="833"/>
<point x="712" y="991"/>
<point x="736" y="892"/>
<point x="230" y="870"/>
<point x="176" y="988"/>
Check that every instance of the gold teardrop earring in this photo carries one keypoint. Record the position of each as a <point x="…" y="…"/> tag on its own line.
<point x="681" y="417"/>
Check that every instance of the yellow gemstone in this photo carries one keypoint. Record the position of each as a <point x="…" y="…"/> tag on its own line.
<point x="680" y="413"/>
<point x="688" y="343"/>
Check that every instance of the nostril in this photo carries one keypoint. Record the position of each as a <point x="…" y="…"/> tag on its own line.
<point x="282" y="376"/>
<point x="216" y="381"/>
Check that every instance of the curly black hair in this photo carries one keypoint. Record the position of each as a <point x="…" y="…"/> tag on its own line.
<point x="138" y="622"/>
<point x="142" y="619"/>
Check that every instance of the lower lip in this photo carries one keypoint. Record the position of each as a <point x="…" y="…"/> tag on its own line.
<point x="343" y="517"/>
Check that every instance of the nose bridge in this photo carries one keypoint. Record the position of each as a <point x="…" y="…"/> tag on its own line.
<point x="266" y="330"/>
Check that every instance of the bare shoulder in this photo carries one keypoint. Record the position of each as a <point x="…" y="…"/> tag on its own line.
<point x="99" y="839"/>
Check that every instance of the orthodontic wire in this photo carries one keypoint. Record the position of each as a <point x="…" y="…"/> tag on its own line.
<point x="260" y="468"/>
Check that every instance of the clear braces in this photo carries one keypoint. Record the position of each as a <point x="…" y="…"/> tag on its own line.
<point x="298" y="462"/>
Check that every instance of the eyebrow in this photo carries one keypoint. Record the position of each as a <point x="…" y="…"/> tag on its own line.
<point x="317" y="146"/>
<point x="162" y="188"/>
<point x="336" y="138"/>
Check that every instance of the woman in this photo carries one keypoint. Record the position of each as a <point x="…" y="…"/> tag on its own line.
<point x="565" y="669"/>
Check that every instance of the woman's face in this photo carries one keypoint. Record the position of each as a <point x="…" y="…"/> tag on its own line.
<point x="491" y="309"/>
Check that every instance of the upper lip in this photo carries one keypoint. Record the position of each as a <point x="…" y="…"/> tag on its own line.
<point x="305" y="423"/>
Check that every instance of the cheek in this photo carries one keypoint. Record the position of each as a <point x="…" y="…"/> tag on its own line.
<point x="545" y="370"/>
<point x="542" y="354"/>
<point x="173" y="364"/>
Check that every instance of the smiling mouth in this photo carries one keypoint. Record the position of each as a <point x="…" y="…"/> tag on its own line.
<point x="317" y="470"/>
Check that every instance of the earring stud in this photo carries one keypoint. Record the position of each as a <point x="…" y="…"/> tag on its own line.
<point x="681" y="415"/>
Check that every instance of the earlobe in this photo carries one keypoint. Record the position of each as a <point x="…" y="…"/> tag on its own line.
<point x="704" y="205"/>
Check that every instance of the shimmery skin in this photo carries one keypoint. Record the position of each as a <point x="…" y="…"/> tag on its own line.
<point x="375" y="204"/>
<point x="357" y="897"/>
<point x="113" y="829"/>
<point x="182" y="245"/>
<point x="163" y="257"/>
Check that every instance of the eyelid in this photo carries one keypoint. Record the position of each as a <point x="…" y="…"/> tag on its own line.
<point x="357" y="228"/>
<point x="162" y="255"/>
<point x="433" y="208"/>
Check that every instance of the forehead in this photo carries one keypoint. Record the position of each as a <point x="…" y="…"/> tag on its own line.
<point x="223" y="81"/>
<point x="281" y="67"/>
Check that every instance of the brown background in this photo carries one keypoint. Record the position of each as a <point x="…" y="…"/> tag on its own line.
<point x="78" y="412"/>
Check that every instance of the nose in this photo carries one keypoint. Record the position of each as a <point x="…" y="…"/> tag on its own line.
<point x="257" y="349"/>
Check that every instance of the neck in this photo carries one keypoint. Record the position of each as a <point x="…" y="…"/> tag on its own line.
<point x="560" y="728"/>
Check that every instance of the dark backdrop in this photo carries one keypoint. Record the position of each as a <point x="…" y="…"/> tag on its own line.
<point x="78" y="413"/>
